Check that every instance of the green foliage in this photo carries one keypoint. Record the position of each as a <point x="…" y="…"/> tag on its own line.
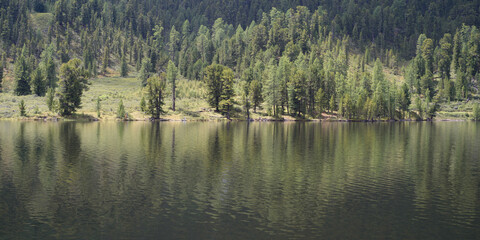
<point x="22" y="108"/>
<point x="431" y="109"/>
<point x="155" y="94"/>
<point x="145" y="71"/>
<point x="123" y="67"/>
<point x="332" y="105"/>
<point x="171" y="78"/>
<point x="143" y="104"/>
<point x="291" y="51"/>
<point x="256" y="94"/>
<point x="445" y="56"/>
<point x="246" y="98"/>
<point x="38" y="83"/>
<point x="476" y="112"/>
<point x="174" y="42"/>
<point x="98" y="107"/>
<point x="158" y="36"/>
<point x="1" y="76"/>
<point x="219" y="80"/>
<point x="297" y="93"/>
<point x="105" y="59"/>
<point x="418" y="106"/>
<point x="50" y="73"/>
<point x="73" y="81"/>
<point x="36" y="110"/>
<point x="121" y="110"/>
<point x="403" y="97"/>
<point x="51" y="99"/>
<point x="320" y="101"/>
<point x="22" y="75"/>
<point x="226" y="98"/>
<point x="272" y="89"/>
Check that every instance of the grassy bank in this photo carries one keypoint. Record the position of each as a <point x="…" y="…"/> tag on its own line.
<point x="190" y="105"/>
<point x="111" y="90"/>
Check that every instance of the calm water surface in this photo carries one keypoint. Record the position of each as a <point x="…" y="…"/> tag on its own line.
<point x="239" y="181"/>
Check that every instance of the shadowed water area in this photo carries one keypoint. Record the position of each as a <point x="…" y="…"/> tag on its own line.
<point x="211" y="180"/>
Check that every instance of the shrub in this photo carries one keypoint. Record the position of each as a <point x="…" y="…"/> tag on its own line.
<point x="22" y="108"/>
<point x="121" y="110"/>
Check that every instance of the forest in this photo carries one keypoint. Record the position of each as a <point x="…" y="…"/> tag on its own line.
<point x="355" y="60"/>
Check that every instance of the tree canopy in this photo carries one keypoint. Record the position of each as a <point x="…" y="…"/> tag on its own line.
<point x="73" y="81"/>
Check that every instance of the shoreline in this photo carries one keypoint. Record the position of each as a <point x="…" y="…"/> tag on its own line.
<point x="88" y="118"/>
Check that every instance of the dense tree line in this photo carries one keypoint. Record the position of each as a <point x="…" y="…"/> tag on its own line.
<point x="393" y="24"/>
<point x="323" y="56"/>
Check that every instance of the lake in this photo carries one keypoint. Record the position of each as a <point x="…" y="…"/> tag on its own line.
<point x="218" y="180"/>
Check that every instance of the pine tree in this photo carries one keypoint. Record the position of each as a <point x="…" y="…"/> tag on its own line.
<point x="332" y="104"/>
<point x="145" y="71"/>
<point x="50" y="99"/>
<point x="320" y="101"/>
<point x="155" y="94"/>
<point x="73" y="81"/>
<point x="106" y="59"/>
<point x="143" y="105"/>
<point x="297" y="93"/>
<point x="476" y="112"/>
<point x="213" y="74"/>
<point x="98" y="107"/>
<point x="22" y="108"/>
<point x="256" y="94"/>
<point x="50" y="73"/>
<point x="174" y="42"/>
<point x="1" y="76"/>
<point x="38" y="83"/>
<point x="124" y="67"/>
<point x="272" y="89"/>
<point x="171" y="78"/>
<point x="226" y="97"/>
<point x="121" y="110"/>
<point x="22" y="75"/>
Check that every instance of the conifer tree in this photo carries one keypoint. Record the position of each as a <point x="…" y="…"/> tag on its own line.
<point x="155" y="94"/>
<point x="172" y="78"/>
<point x="1" y="76"/>
<point x="50" y="99"/>
<point x="38" y="82"/>
<point x="121" y="110"/>
<point x="73" y="81"/>
<point x="256" y="94"/>
<point x="227" y="92"/>
<point x="106" y="59"/>
<point x="124" y="67"/>
<point x="50" y="73"/>
<point x="22" y="75"/>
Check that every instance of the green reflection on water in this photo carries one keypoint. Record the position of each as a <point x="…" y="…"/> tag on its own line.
<point x="239" y="180"/>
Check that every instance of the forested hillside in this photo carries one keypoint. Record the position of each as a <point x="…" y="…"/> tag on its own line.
<point x="359" y="59"/>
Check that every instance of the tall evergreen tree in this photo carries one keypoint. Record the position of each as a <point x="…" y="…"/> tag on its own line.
<point x="256" y="94"/>
<point x="1" y="76"/>
<point x="22" y="75"/>
<point x="106" y="59"/>
<point x="213" y="79"/>
<point x="73" y="81"/>
<point x="272" y="89"/>
<point x="50" y="73"/>
<point x="172" y="78"/>
<point x="155" y="94"/>
<point x="227" y="92"/>
<point x="173" y="43"/>
<point x="38" y="82"/>
<point x="123" y="67"/>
